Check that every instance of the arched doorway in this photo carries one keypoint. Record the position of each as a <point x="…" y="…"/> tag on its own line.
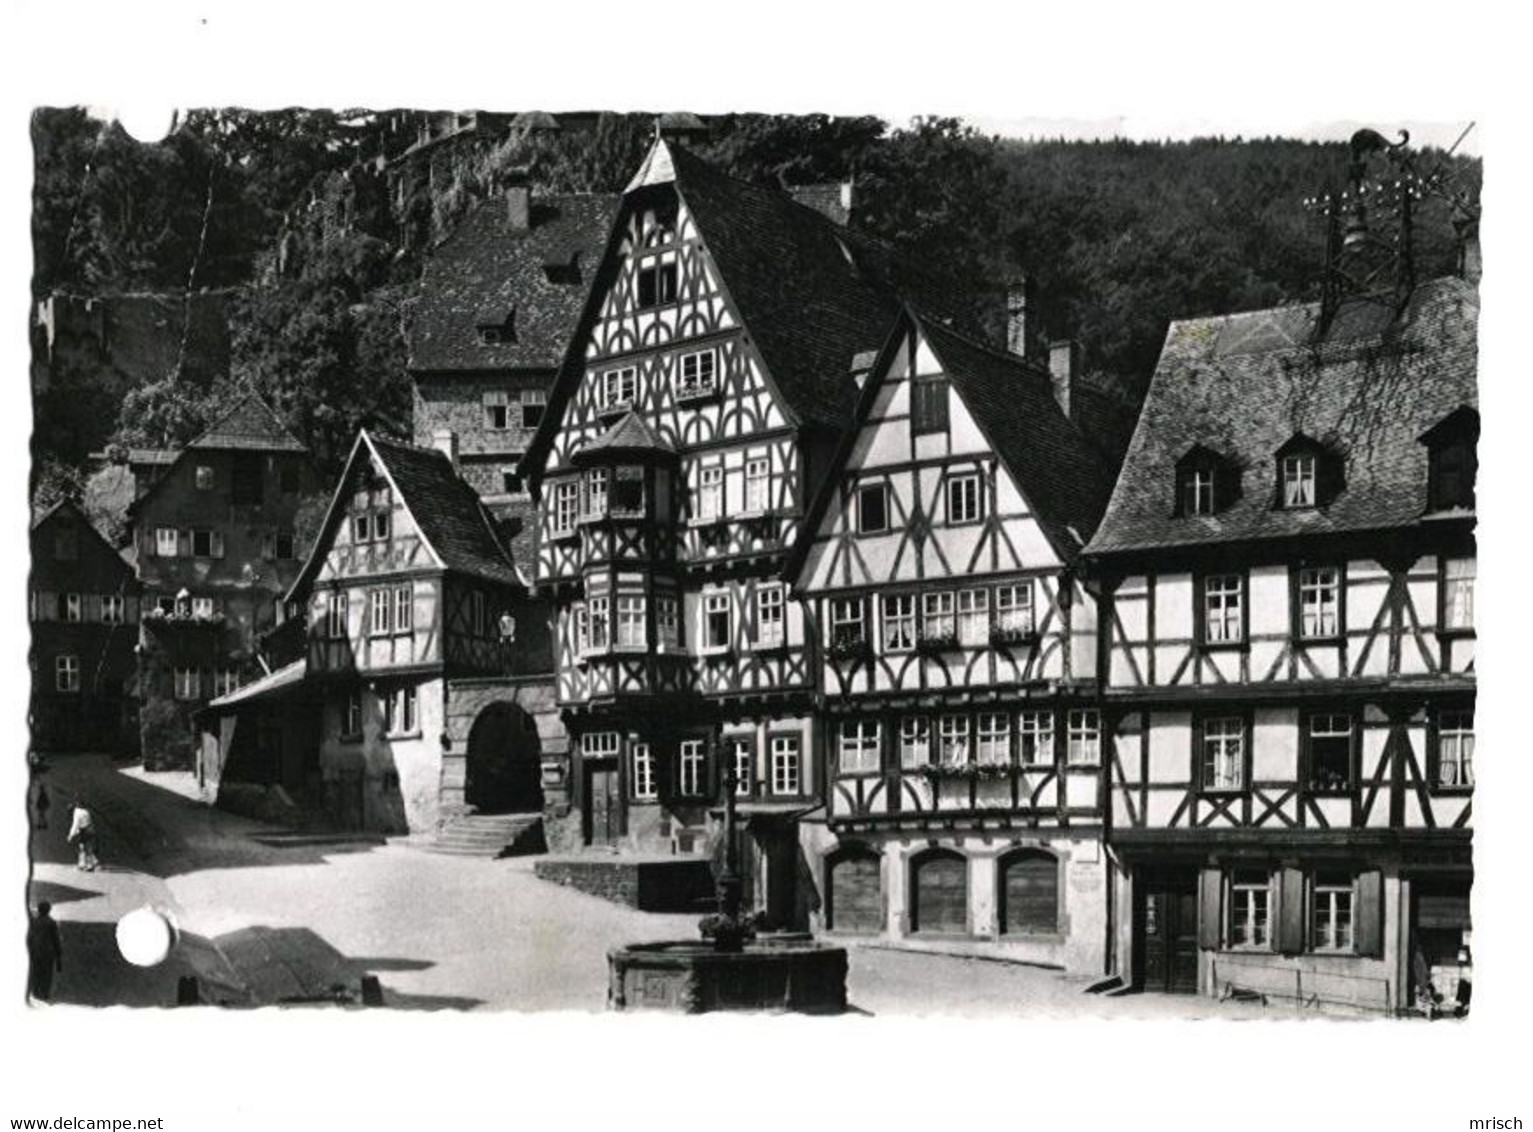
<point x="503" y="772"/>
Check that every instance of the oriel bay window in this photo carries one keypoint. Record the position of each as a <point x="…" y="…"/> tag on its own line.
<point x="859" y="746"/>
<point x="899" y="622"/>
<point x="628" y="491"/>
<point x="691" y="767"/>
<point x="1223" y="612"/>
<point x="1454" y="755"/>
<point x="787" y="774"/>
<point x="1319" y="592"/>
<point x="595" y="494"/>
<point x="1329" y="741"/>
<point x="1222" y="758"/>
<point x="630" y="621"/>
<point x="597" y="625"/>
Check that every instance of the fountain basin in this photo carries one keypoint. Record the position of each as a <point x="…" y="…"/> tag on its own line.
<point x="790" y="973"/>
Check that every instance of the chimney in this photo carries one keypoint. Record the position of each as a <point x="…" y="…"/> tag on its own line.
<point x="1064" y="369"/>
<point x="444" y="440"/>
<point x="833" y="200"/>
<point x="518" y="199"/>
<point x="1019" y="304"/>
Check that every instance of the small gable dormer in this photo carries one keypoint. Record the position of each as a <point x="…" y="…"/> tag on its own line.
<point x="1452" y="460"/>
<point x="497" y="326"/>
<point x="1206" y="482"/>
<point x="1308" y="474"/>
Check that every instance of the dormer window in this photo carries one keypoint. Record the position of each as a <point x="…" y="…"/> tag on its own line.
<point x="1453" y="461"/>
<point x="1206" y="483"/>
<point x="1307" y="474"/>
<point x="497" y="327"/>
<point x="1299" y="471"/>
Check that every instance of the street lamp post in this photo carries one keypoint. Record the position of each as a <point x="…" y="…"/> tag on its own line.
<point x="727" y="927"/>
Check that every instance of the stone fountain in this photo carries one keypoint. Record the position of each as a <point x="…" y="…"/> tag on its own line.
<point x="730" y="968"/>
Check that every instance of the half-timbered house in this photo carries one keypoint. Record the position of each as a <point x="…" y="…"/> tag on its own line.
<point x="216" y="540"/>
<point x="1288" y="572"/>
<point x="420" y="648"/>
<point x="700" y="404"/>
<point x="83" y="606"/>
<point x="958" y="659"/>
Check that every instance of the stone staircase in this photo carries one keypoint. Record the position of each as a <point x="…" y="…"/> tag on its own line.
<point x="489" y="835"/>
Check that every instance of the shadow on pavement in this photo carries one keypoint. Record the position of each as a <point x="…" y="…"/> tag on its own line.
<point x="96" y="974"/>
<point x="57" y="894"/>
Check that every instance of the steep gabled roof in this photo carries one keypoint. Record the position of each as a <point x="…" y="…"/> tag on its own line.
<point x="1065" y="481"/>
<point x="811" y="294"/>
<point x="488" y="272"/>
<point x="1244" y="384"/>
<point x="458" y="531"/>
<point x="251" y="425"/>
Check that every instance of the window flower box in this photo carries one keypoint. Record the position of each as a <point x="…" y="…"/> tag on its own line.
<point x="1011" y="637"/>
<point x="937" y="642"/>
<point x="851" y="648"/>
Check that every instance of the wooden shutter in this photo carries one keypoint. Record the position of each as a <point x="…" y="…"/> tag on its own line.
<point x="1370" y="914"/>
<point x="941" y="895"/>
<point x="1290" y="927"/>
<point x="1031" y="894"/>
<point x="1210" y="909"/>
<point x="856" y="898"/>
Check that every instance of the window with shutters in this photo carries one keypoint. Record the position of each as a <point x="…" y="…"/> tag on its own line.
<point x="1035" y="738"/>
<point x="1029" y="896"/>
<point x="915" y="742"/>
<point x="692" y="762"/>
<point x="939" y="893"/>
<point x="1331" y="912"/>
<point x="207" y="544"/>
<point x="112" y="608"/>
<point x="74" y="607"/>
<point x="165" y="542"/>
<point x="641" y="773"/>
<point x="1250" y="909"/>
<point x="859" y="746"/>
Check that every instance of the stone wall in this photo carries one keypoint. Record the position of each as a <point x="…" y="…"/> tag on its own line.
<point x="466" y="699"/>
<point x="681" y="885"/>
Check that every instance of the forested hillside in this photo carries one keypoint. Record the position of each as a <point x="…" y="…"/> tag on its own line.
<point x="289" y="213"/>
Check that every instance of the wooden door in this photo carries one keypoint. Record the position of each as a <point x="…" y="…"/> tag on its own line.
<point x="603" y="806"/>
<point x="940" y="895"/>
<point x="1167" y="930"/>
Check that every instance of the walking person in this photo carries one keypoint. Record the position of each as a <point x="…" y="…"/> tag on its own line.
<point x="82" y="831"/>
<point x="45" y="953"/>
<point x="43" y="804"/>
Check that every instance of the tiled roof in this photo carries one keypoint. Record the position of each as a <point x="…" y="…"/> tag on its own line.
<point x="486" y="270"/>
<point x="812" y="294"/>
<point x="1064" y="480"/>
<point x="1243" y="385"/>
<point x="630" y="434"/>
<point x="249" y="425"/>
<point x="446" y="508"/>
<point x="282" y="680"/>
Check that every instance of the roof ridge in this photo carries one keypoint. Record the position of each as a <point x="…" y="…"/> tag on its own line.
<point x="248" y="396"/>
<point x="975" y="343"/>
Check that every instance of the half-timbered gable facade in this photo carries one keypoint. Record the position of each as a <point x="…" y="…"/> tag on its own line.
<point x="83" y="607"/>
<point x="696" y="415"/>
<point x="217" y="544"/>
<point x="410" y="587"/>
<point x="1288" y="567"/>
<point x="958" y="659"/>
